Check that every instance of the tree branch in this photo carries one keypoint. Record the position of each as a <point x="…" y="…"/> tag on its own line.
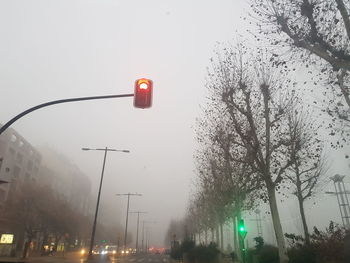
<point x="345" y="15"/>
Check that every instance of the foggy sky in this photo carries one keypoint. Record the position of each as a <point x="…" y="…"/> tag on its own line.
<point x="62" y="49"/>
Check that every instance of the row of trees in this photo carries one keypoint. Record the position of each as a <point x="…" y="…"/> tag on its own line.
<point x="39" y="215"/>
<point x="257" y="140"/>
<point x="257" y="137"/>
<point x="34" y="210"/>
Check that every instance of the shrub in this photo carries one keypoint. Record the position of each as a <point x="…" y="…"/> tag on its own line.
<point x="187" y="249"/>
<point x="206" y="254"/>
<point x="187" y="245"/>
<point x="259" y="243"/>
<point x="251" y="254"/>
<point x="329" y="244"/>
<point x="193" y="253"/>
<point x="268" y="254"/>
<point x="325" y="246"/>
<point x="176" y="253"/>
<point x="302" y="254"/>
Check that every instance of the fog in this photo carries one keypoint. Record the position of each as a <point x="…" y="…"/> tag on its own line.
<point x="63" y="49"/>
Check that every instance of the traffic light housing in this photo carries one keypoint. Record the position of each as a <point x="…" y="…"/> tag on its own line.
<point x="242" y="231"/>
<point x="143" y="93"/>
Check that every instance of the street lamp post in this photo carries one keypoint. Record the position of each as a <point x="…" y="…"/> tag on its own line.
<point x="127" y="215"/>
<point x="137" y="229"/>
<point x="8" y="124"/>
<point x="143" y="231"/>
<point x="106" y="149"/>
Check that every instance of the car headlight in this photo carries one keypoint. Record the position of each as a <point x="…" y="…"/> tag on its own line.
<point x="82" y="251"/>
<point x="122" y="251"/>
<point x="127" y="252"/>
<point x="114" y="252"/>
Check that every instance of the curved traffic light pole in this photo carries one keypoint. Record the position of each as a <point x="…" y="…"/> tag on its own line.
<point x="8" y="124"/>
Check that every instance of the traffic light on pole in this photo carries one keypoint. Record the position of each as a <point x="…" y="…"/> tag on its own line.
<point x="143" y="93"/>
<point x="241" y="229"/>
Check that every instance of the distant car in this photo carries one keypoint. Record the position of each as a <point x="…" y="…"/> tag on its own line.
<point x="84" y="251"/>
<point x="126" y="252"/>
<point x="99" y="251"/>
<point x="111" y="250"/>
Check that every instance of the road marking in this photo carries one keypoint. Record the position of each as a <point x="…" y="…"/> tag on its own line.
<point x="141" y="259"/>
<point x="149" y="260"/>
<point x="164" y="259"/>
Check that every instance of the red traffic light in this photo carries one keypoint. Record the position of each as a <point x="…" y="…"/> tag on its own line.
<point x="143" y="93"/>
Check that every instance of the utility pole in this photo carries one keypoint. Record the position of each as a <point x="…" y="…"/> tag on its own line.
<point x="143" y="231"/>
<point x="258" y="221"/>
<point x="106" y="149"/>
<point x="137" y="231"/>
<point x="127" y="215"/>
<point x="147" y="238"/>
<point x="342" y="197"/>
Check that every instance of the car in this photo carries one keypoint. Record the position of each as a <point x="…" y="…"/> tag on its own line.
<point x="111" y="249"/>
<point x="83" y="251"/>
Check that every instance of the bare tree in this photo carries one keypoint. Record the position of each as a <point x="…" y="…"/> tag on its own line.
<point x="23" y="213"/>
<point x="258" y="102"/>
<point x="222" y="181"/>
<point x="175" y="231"/>
<point x="36" y="210"/>
<point x="308" y="162"/>
<point x="318" y="33"/>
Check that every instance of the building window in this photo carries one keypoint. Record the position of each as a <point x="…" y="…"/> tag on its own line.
<point x="12" y="151"/>
<point x="28" y="176"/>
<point x="19" y="158"/>
<point x="2" y="194"/>
<point x="30" y="165"/>
<point x="16" y="171"/>
<point x="13" y="138"/>
<point x="13" y="187"/>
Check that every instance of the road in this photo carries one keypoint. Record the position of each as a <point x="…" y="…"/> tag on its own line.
<point x="134" y="258"/>
<point x="77" y="258"/>
<point x="143" y="258"/>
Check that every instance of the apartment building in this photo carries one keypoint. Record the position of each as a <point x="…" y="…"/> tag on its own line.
<point x="19" y="162"/>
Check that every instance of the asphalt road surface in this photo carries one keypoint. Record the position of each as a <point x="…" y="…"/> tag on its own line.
<point x="142" y="258"/>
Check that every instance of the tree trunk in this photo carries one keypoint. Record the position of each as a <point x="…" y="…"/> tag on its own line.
<point x="57" y="240"/>
<point x="44" y="241"/>
<point x="221" y="237"/>
<point x="217" y="235"/>
<point x="212" y="235"/>
<point x="26" y="247"/>
<point x="282" y="252"/>
<point x="234" y="224"/>
<point x="303" y="219"/>
<point x="206" y="236"/>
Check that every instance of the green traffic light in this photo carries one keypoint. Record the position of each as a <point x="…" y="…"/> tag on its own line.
<point x="241" y="227"/>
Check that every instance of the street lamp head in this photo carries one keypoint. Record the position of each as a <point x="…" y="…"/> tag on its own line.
<point x="85" y="149"/>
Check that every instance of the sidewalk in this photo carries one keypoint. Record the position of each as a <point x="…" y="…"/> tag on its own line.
<point x="68" y="258"/>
